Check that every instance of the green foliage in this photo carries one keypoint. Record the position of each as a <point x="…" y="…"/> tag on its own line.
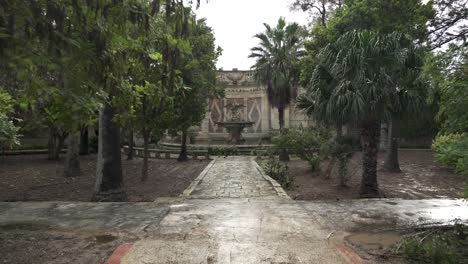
<point x="310" y="144"/>
<point x="277" y="170"/>
<point x="93" y="144"/>
<point x="436" y="245"/>
<point x="436" y="251"/>
<point x="8" y="130"/>
<point x="356" y="79"/>
<point x="223" y="152"/>
<point x="192" y="133"/>
<point x="277" y="63"/>
<point x="384" y="16"/>
<point x="8" y="133"/>
<point x="447" y="73"/>
<point x="343" y="148"/>
<point x="198" y="72"/>
<point x="452" y="150"/>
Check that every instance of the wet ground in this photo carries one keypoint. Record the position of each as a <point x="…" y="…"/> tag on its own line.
<point x="261" y="225"/>
<point x="33" y="178"/>
<point x="272" y="229"/>
<point x="422" y="178"/>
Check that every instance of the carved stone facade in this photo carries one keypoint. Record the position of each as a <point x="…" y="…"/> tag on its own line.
<point x="240" y="88"/>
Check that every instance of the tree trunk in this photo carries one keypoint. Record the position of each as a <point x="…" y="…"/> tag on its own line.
<point x="283" y="155"/>
<point x="72" y="162"/>
<point x="109" y="179"/>
<point x="391" y="163"/>
<point x="281" y="118"/>
<point x="131" y="144"/>
<point x="384" y="137"/>
<point x="54" y="144"/>
<point x="343" y="171"/>
<point x="183" y="148"/>
<point x="144" y="171"/>
<point x="370" y="132"/>
<point x="339" y="130"/>
<point x="51" y="145"/>
<point x="84" y="141"/>
<point x="329" y="169"/>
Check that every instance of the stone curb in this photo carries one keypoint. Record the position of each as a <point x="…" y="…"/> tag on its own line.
<point x="199" y="178"/>
<point x="279" y="190"/>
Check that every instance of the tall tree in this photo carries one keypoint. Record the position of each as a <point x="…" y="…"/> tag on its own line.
<point x="383" y="16"/>
<point x="449" y="24"/>
<point x="355" y="80"/>
<point x="199" y="77"/>
<point x="319" y="9"/>
<point x="276" y="67"/>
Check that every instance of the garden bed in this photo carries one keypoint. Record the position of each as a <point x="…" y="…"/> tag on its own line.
<point x="433" y="244"/>
<point x="33" y="243"/>
<point x="33" y="178"/>
<point x="422" y="178"/>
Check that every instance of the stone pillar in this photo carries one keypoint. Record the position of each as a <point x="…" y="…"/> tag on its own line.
<point x="265" y="116"/>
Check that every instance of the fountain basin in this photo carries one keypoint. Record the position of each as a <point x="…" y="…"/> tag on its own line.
<point x="235" y="129"/>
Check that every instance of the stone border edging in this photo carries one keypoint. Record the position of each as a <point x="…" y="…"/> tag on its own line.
<point x="197" y="180"/>
<point x="279" y="190"/>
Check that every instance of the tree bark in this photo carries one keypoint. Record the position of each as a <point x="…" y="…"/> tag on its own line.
<point x="370" y="132"/>
<point x="281" y="118"/>
<point x="84" y="141"/>
<point x="144" y="171"/>
<point x="51" y="145"/>
<point x="391" y="163"/>
<point x="283" y="155"/>
<point x="72" y="162"/>
<point x="183" y="148"/>
<point x="339" y="130"/>
<point x="131" y="144"/>
<point x="329" y="169"/>
<point x="55" y="143"/>
<point x="383" y="137"/>
<point x="109" y="179"/>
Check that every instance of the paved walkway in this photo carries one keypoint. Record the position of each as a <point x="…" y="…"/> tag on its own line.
<point x="233" y="177"/>
<point x="232" y="213"/>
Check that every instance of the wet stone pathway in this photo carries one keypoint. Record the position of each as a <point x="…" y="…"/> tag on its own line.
<point x="233" y="177"/>
<point x="233" y="213"/>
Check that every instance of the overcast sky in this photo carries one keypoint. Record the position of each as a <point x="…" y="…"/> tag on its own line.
<point x="236" y="21"/>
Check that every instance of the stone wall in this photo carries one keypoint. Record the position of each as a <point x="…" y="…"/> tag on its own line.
<point x="240" y="88"/>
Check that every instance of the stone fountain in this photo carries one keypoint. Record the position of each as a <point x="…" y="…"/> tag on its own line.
<point x="235" y="125"/>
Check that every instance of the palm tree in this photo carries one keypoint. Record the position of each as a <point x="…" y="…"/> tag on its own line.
<point x="358" y="80"/>
<point x="412" y="94"/>
<point x="276" y="64"/>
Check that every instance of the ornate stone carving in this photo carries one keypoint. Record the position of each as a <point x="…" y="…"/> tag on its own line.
<point x="235" y="77"/>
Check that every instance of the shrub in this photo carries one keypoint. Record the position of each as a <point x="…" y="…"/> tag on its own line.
<point x="192" y="133"/>
<point x="447" y="148"/>
<point x="342" y="149"/>
<point x="310" y="144"/>
<point x="93" y="144"/>
<point x="223" y="151"/>
<point x="452" y="150"/>
<point x="436" y="251"/>
<point x="277" y="170"/>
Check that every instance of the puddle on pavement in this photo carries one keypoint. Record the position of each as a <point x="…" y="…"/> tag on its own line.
<point x="374" y="241"/>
